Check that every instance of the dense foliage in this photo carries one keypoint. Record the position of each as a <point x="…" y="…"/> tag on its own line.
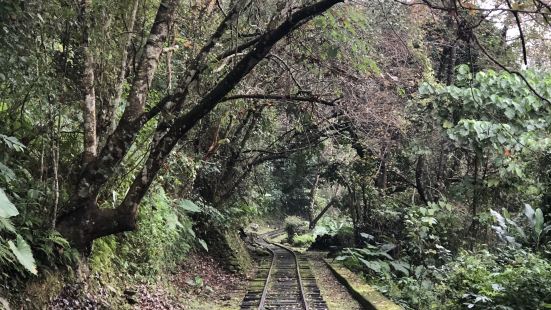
<point x="415" y="140"/>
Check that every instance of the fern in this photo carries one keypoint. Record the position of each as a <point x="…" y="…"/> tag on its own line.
<point x="56" y="238"/>
<point x="6" y="225"/>
<point x="6" y="256"/>
<point x="6" y="173"/>
<point x="53" y="240"/>
<point x="12" y="143"/>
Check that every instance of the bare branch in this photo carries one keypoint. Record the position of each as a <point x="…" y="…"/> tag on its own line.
<point x="493" y="59"/>
<point x="521" y="33"/>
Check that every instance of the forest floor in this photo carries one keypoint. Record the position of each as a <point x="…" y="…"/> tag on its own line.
<point x="206" y="285"/>
<point x="200" y="283"/>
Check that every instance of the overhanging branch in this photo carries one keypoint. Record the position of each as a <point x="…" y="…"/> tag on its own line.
<point x="312" y="99"/>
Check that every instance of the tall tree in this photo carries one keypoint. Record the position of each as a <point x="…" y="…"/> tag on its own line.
<point x="86" y="221"/>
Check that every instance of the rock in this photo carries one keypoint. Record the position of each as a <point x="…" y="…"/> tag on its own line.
<point x="129" y="292"/>
<point x="111" y="289"/>
<point x="131" y="300"/>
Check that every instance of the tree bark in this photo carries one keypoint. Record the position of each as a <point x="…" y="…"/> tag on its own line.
<point x="313" y="198"/>
<point x="381" y="179"/>
<point x="150" y="59"/>
<point x="320" y="215"/>
<point x="88" y="90"/>
<point x="419" y="180"/>
<point x="98" y="171"/>
<point x="476" y="198"/>
<point x="107" y="119"/>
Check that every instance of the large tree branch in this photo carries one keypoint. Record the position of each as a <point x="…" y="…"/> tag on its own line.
<point x="237" y="49"/>
<point x="183" y="124"/>
<point x="88" y="89"/>
<point x="325" y="209"/>
<point x="98" y="171"/>
<point x="107" y="119"/>
<point x="312" y="98"/>
<point x="96" y="174"/>
<point x="150" y="59"/>
<point x="199" y="63"/>
<point x="127" y="210"/>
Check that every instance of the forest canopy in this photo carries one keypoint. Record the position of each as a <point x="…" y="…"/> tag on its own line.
<point x="416" y="133"/>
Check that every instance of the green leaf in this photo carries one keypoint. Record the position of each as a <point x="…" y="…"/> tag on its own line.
<point x="510" y="113"/>
<point x="198" y="281"/>
<point x="538" y="227"/>
<point x="373" y="265"/>
<point x="367" y="236"/>
<point x="454" y="92"/>
<point x="401" y="267"/>
<point x="203" y="244"/>
<point x="385" y="255"/>
<point x="463" y="69"/>
<point x="4" y="303"/>
<point x="12" y="143"/>
<point x="191" y="232"/>
<point x="388" y="247"/>
<point x="425" y="89"/>
<point x="7" y="173"/>
<point x="492" y="182"/>
<point x="172" y="221"/>
<point x="23" y="253"/>
<point x="189" y="206"/>
<point x="332" y="51"/>
<point x="447" y="124"/>
<point x="530" y="213"/>
<point x="7" y="209"/>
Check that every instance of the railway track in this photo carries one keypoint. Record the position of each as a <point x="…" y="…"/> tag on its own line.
<point x="284" y="282"/>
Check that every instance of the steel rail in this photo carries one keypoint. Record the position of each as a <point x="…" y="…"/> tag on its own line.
<point x="265" y="290"/>
<point x="302" y="294"/>
<point x="297" y="268"/>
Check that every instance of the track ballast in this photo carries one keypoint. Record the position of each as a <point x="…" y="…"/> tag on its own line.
<point x="284" y="282"/>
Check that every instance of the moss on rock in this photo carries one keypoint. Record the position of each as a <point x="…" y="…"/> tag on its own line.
<point x="230" y="250"/>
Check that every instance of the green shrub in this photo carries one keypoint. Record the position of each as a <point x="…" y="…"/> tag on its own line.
<point x="163" y="237"/>
<point x="294" y="225"/>
<point x="374" y="260"/>
<point x="303" y="240"/>
<point x="432" y="230"/>
<point x="340" y="229"/>
<point x="510" y="279"/>
<point x="514" y="278"/>
<point x="345" y="236"/>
